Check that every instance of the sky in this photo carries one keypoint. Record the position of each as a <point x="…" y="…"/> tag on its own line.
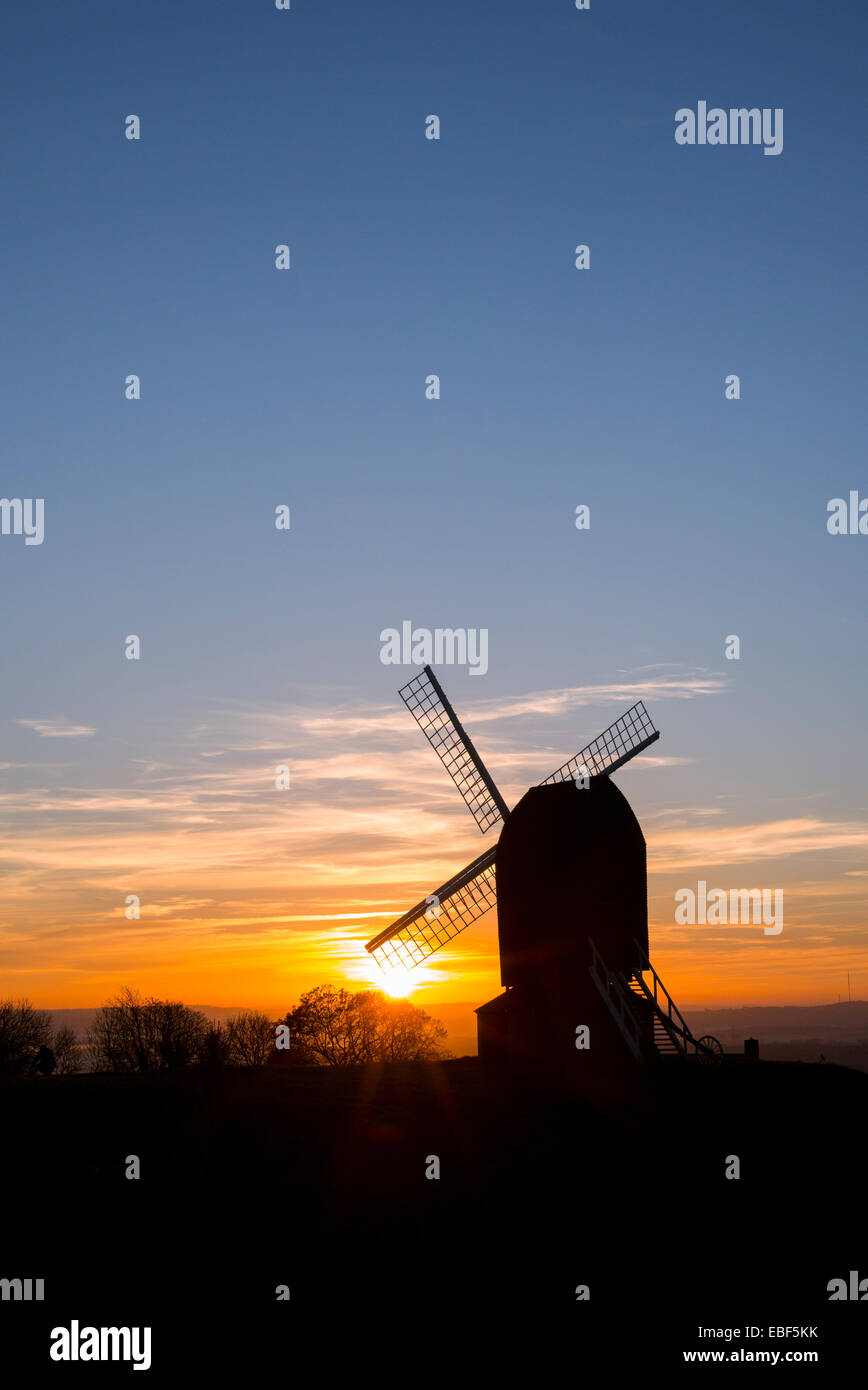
<point x="306" y="387"/>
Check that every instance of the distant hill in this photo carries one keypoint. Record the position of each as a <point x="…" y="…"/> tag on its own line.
<point x="80" y="1020"/>
<point x="790" y="1032"/>
<point x="833" y="1024"/>
<point x="783" y="1023"/>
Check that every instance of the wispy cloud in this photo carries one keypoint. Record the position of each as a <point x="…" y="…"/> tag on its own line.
<point x="56" y="728"/>
<point x="649" y="760"/>
<point x="558" y="702"/>
<point x="547" y="703"/>
<point x="700" y="846"/>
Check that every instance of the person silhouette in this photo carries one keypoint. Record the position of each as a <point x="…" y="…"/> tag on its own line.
<point x="44" y="1061"/>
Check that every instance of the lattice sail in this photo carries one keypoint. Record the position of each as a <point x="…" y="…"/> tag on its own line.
<point x="438" y="721"/>
<point x="612" y="748"/>
<point x="439" y="917"/>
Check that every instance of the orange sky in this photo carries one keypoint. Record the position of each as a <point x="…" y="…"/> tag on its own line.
<point x="250" y="895"/>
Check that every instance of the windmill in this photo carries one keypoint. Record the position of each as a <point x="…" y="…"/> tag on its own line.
<point x="568" y="877"/>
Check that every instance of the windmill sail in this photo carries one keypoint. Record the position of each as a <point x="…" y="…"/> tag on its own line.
<point x="439" y="917"/>
<point x="610" y="749"/>
<point x="426" y="701"/>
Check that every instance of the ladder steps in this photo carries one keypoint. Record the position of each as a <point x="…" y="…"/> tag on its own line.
<point x="661" y="1038"/>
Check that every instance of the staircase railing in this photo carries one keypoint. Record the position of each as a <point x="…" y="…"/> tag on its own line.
<point x="672" y="1010"/>
<point x="669" y="1026"/>
<point x="615" y="997"/>
<point x="672" y="1018"/>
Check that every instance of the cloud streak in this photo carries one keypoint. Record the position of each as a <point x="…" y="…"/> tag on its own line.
<point x="702" y="846"/>
<point x="56" y="728"/>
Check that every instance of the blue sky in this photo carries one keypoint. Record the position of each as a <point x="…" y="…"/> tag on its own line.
<point x="559" y="387"/>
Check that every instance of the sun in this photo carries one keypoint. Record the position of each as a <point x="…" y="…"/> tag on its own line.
<point x="397" y="983"/>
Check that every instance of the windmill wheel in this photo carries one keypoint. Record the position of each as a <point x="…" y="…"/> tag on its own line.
<point x="709" y="1050"/>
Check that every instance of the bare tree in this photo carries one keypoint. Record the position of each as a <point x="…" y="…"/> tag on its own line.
<point x="251" y="1038"/>
<point x="179" y="1032"/>
<point x="320" y="1024"/>
<point x="132" y="1034"/>
<point x="23" y="1029"/>
<point x="407" y="1034"/>
<point x="215" y="1047"/>
<point x="337" y="1028"/>
<point x="67" y="1051"/>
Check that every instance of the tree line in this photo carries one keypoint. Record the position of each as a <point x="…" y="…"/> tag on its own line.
<point x="328" y="1027"/>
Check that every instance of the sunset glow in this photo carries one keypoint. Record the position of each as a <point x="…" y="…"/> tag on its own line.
<point x="249" y="895"/>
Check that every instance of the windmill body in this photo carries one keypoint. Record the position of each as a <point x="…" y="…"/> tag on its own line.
<point x="570" y="865"/>
<point x="568" y="877"/>
<point x="570" y="870"/>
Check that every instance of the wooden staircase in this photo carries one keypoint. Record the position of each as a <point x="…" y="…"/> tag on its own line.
<point x="618" y="1001"/>
<point x="645" y="1012"/>
<point x="661" y="1036"/>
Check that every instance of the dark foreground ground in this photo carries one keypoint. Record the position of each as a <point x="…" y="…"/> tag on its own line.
<point x="315" y="1179"/>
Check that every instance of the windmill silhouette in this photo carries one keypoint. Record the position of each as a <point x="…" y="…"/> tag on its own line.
<point x="568" y="876"/>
